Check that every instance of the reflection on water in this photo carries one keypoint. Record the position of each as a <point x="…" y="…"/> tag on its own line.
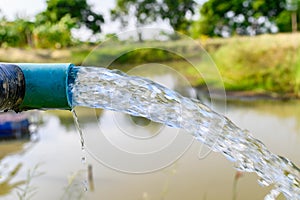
<point x="286" y="111"/>
<point x="140" y="121"/>
<point x="11" y="148"/>
<point x="73" y="190"/>
<point x="6" y="184"/>
<point x="189" y="178"/>
<point x="10" y="171"/>
<point x="275" y="123"/>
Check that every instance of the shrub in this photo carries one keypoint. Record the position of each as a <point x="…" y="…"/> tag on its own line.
<point x="55" y="35"/>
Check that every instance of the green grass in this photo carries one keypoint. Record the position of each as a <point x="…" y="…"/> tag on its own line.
<point x="267" y="63"/>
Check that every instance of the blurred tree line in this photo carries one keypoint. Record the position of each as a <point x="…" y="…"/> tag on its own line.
<point x="52" y="27"/>
<point x="246" y="17"/>
<point x="143" y="12"/>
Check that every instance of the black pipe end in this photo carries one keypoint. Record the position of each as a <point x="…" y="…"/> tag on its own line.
<point x="12" y="87"/>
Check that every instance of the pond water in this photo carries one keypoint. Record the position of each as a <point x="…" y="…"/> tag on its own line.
<point x="51" y="166"/>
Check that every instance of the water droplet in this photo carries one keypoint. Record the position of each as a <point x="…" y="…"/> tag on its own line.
<point x="272" y="195"/>
<point x="85" y="185"/>
<point x="262" y="182"/>
<point x="76" y="121"/>
<point x="83" y="160"/>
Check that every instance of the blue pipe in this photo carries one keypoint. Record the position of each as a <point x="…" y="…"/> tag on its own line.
<point x="46" y="86"/>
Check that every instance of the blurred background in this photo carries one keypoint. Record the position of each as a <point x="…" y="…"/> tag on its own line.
<point x="250" y="48"/>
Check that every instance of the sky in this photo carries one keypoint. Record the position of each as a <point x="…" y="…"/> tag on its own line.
<point x="11" y="8"/>
<point x="29" y="8"/>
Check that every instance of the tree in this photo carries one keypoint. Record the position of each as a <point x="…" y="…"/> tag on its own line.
<point x="147" y="11"/>
<point x="16" y="33"/>
<point x="292" y="5"/>
<point x="176" y="13"/>
<point x="142" y="12"/>
<point x="78" y="10"/>
<point x="242" y="17"/>
<point x="54" y="35"/>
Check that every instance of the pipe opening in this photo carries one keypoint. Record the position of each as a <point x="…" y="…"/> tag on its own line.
<point x="12" y="87"/>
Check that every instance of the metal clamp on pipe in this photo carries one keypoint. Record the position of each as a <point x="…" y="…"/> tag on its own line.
<point x="35" y="86"/>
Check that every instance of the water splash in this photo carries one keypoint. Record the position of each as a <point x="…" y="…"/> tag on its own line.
<point x="78" y="128"/>
<point x="114" y="90"/>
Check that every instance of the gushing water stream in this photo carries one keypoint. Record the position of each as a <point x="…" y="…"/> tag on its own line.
<point x="114" y="90"/>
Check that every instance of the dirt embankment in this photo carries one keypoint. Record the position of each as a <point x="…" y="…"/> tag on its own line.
<point x="27" y="55"/>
